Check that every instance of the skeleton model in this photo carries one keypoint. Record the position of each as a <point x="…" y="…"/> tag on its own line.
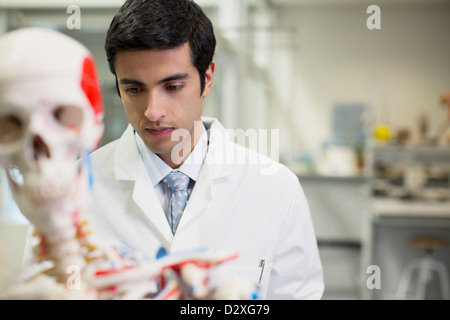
<point x="50" y="116"/>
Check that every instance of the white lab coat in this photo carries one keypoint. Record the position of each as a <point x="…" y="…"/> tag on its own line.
<point x="234" y="205"/>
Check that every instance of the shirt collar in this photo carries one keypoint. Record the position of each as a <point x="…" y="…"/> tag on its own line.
<point x="157" y="169"/>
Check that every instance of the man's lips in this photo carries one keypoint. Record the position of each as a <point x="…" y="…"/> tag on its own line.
<point x="160" y="132"/>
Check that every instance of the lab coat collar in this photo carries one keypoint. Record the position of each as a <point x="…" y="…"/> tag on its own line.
<point x="127" y="157"/>
<point x="220" y="146"/>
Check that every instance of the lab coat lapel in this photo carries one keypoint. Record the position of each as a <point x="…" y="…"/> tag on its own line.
<point x="129" y="166"/>
<point x="145" y="197"/>
<point x="214" y="167"/>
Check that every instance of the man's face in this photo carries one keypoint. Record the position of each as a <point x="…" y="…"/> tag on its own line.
<point x="160" y="91"/>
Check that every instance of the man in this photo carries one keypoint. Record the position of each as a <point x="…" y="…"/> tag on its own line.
<point x="161" y="52"/>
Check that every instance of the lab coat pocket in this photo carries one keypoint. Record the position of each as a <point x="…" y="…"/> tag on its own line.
<point x="242" y="277"/>
<point x="251" y="274"/>
<point x="223" y="274"/>
<point x="235" y="283"/>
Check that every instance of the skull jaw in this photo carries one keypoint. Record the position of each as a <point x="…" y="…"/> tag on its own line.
<point x="51" y="206"/>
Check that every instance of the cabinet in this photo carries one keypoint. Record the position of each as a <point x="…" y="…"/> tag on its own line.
<point x="409" y="195"/>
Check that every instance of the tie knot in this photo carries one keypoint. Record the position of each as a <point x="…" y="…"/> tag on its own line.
<point x="176" y="181"/>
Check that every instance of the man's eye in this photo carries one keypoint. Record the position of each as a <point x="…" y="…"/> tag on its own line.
<point x="173" y="87"/>
<point x="133" y="90"/>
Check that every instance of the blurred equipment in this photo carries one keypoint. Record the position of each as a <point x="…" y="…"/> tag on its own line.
<point x="423" y="126"/>
<point x="442" y="135"/>
<point x="424" y="267"/>
<point x="403" y="136"/>
<point x="382" y="133"/>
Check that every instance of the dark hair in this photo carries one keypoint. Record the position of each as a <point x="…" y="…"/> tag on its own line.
<point x="162" y="24"/>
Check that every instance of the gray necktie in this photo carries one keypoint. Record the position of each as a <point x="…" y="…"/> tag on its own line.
<point x="178" y="183"/>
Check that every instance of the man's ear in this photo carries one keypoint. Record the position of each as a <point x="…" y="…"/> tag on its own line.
<point x="209" y="76"/>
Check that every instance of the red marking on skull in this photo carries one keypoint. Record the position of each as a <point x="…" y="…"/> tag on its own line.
<point x="90" y="86"/>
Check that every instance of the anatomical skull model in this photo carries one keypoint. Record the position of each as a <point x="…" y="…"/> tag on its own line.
<point x="50" y="116"/>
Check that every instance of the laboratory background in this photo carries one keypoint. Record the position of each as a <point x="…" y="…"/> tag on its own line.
<point x="355" y="95"/>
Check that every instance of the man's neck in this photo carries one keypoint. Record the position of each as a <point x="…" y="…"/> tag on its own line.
<point x="181" y="151"/>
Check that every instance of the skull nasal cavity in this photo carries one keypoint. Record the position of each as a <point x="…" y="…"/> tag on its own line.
<point x="40" y="148"/>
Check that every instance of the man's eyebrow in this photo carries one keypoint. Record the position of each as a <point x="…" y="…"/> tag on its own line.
<point x="131" y="81"/>
<point x="174" y="77"/>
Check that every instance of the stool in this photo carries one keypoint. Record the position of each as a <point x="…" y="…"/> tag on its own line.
<point x="425" y="267"/>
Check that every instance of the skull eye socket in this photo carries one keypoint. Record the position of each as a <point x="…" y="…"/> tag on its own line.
<point x="11" y="128"/>
<point x="69" y="116"/>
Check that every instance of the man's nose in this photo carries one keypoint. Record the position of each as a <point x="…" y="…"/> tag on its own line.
<point x="155" y="107"/>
